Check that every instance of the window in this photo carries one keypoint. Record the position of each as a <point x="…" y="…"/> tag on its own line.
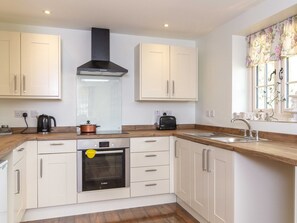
<point x="274" y="85"/>
<point x="290" y="80"/>
<point x="264" y="85"/>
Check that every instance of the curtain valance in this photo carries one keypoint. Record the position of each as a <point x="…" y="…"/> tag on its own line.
<point x="272" y="43"/>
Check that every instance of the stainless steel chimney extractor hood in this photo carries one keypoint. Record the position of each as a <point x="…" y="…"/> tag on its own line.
<point x="100" y="65"/>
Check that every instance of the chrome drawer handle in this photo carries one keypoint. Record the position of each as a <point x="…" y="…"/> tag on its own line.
<point x="41" y="168"/>
<point x="151" y="170"/>
<point x="21" y="149"/>
<point x="18" y="181"/>
<point x="57" y="144"/>
<point x="150" y="155"/>
<point x="150" y="140"/>
<point x="150" y="185"/>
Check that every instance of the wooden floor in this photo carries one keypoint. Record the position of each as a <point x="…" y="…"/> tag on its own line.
<point x="166" y="213"/>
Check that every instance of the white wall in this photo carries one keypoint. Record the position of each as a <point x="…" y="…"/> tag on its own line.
<point x="219" y="66"/>
<point x="76" y="51"/>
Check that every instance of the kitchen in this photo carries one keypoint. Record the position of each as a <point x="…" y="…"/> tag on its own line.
<point x="215" y="47"/>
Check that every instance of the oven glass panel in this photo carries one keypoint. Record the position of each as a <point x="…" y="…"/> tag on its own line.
<point x="106" y="170"/>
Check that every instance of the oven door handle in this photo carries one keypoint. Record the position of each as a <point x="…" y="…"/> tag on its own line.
<point x="107" y="152"/>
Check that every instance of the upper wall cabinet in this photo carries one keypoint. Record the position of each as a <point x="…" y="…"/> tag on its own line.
<point x="29" y="65"/>
<point x="166" y="72"/>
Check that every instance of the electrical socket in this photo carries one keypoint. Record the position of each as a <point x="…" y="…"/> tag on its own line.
<point x="34" y="114"/>
<point x="212" y="113"/>
<point x="19" y="113"/>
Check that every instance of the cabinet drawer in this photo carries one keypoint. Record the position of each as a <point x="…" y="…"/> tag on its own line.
<point x="19" y="153"/>
<point x="149" y="173"/>
<point x="149" y="188"/>
<point x="149" y="159"/>
<point x="57" y="146"/>
<point x="149" y="144"/>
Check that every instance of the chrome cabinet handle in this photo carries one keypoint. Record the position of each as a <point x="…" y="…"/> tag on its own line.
<point x="151" y="170"/>
<point x="203" y="160"/>
<point x="208" y="165"/>
<point x="18" y="183"/>
<point x="56" y="144"/>
<point x="150" y="140"/>
<point x="150" y="185"/>
<point x="167" y="87"/>
<point x="173" y="88"/>
<point x="15" y="83"/>
<point x="107" y="152"/>
<point x="21" y="149"/>
<point x="41" y="168"/>
<point x="175" y="149"/>
<point x="24" y="84"/>
<point x="151" y="155"/>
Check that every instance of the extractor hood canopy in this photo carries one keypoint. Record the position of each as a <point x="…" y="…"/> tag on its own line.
<point x="100" y="65"/>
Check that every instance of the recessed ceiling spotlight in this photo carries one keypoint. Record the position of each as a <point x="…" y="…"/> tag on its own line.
<point x="48" y="12"/>
<point x="166" y="25"/>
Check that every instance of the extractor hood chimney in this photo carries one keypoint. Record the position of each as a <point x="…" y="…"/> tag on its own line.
<point x="100" y="65"/>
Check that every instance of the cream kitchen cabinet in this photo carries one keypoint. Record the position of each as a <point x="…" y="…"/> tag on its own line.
<point x="17" y="184"/>
<point x="149" y="166"/>
<point x="30" y="65"/>
<point x="209" y="173"/>
<point x="10" y="63"/>
<point x="166" y="72"/>
<point x="57" y="183"/>
<point x="182" y="170"/>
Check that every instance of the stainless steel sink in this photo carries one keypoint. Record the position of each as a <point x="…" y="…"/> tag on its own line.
<point x="204" y="134"/>
<point x="229" y="139"/>
<point x="221" y="137"/>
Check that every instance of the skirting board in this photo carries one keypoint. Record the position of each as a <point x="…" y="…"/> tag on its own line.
<point x="93" y="207"/>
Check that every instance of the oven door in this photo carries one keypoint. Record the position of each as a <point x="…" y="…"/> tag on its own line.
<point x="108" y="169"/>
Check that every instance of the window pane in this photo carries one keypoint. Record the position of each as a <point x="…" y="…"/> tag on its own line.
<point x="270" y="73"/>
<point x="261" y="75"/>
<point x="260" y="97"/>
<point x="292" y="88"/>
<point x="271" y="94"/>
<point x="292" y="69"/>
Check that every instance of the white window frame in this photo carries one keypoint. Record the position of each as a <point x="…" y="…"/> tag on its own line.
<point x="280" y="108"/>
<point x="254" y="101"/>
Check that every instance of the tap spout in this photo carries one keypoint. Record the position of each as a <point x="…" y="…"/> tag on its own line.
<point x="246" y="122"/>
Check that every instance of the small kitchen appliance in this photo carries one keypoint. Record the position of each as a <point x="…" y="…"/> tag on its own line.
<point x="167" y="122"/>
<point x="5" y="130"/>
<point x="44" y="123"/>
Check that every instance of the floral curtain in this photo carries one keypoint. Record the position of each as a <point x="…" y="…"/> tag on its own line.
<point x="272" y="43"/>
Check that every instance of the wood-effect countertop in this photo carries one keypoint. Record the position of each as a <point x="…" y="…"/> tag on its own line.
<point x="285" y="152"/>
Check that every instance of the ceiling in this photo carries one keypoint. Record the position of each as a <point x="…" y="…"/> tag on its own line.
<point x="187" y="19"/>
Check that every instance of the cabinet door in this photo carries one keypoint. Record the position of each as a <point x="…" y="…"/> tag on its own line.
<point x="200" y="190"/>
<point x="57" y="179"/>
<point x="40" y="68"/>
<point x="154" y="71"/>
<point x="9" y="63"/>
<point x="19" y="190"/>
<point x="183" y="73"/>
<point x="221" y="182"/>
<point x="183" y="170"/>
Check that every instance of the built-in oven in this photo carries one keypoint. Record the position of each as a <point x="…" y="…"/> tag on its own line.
<point x="103" y="163"/>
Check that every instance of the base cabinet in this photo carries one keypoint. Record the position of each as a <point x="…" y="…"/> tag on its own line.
<point x="204" y="180"/>
<point x="149" y="166"/>
<point x="56" y="173"/>
<point x="17" y="184"/>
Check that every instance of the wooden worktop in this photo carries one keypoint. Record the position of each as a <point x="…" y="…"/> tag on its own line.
<point x="285" y="152"/>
